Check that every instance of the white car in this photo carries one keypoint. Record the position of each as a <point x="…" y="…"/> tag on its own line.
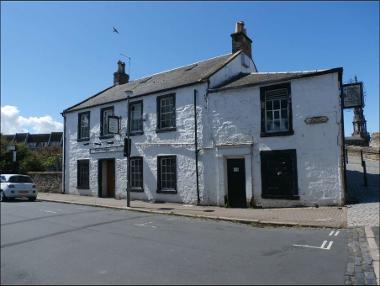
<point x="17" y="186"/>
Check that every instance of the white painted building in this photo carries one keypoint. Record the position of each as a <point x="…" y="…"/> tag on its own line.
<point x="216" y="132"/>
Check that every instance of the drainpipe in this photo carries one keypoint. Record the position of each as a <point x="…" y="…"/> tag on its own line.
<point x="64" y="154"/>
<point x="344" y="177"/>
<point x="196" y="144"/>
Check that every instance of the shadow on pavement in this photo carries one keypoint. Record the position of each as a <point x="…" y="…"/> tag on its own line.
<point x="357" y="192"/>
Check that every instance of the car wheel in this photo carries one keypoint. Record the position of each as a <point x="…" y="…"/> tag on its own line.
<point x="3" y="198"/>
<point x="32" y="199"/>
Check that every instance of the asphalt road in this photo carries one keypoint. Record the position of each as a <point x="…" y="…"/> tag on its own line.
<point x="52" y="243"/>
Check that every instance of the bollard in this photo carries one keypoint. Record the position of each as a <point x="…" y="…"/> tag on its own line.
<point x="364" y="169"/>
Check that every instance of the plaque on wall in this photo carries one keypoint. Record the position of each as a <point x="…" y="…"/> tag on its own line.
<point x="316" y="119"/>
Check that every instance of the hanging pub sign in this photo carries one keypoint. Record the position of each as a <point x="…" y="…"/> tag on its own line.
<point x="113" y="124"/>
<point x="353" y="95"/>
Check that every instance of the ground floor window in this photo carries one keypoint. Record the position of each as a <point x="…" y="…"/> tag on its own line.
<point x="136" y="173"/>
<point x="83" y="180"/>
<point x="279" y="174"/>
<point x="167" y="174"/>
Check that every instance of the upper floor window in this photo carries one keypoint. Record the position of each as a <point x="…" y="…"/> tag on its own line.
<point x="166" y="112"/>
<point x="276" y="112"/>
<point x="84" y="125"/>
<point x="136" y="117"/>
<point x="104" y="114"/>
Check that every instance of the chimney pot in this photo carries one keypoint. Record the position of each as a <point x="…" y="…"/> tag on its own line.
<point x="240" y="40"/>
<point x="120" y="77"/>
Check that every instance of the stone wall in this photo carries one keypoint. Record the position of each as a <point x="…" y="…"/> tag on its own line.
<point x="370" y="153"/>
<point x="50" y="182"/>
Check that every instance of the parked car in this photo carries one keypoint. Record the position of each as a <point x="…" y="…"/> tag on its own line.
<point x="17" y="186"/>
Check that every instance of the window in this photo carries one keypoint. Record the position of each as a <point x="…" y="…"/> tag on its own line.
<point x="276" y="112"/>
<point x="167" y="174"/>
<point x="84" y="126"/>
<point x="136" y="117"/>
<point x="166" y="113"/>
<point x="20" y="179"/>
<point x="279" y="174"/>
<point x="83" y="174"/>
<point x="136" y="172"/>
<point x="104" y="114"/>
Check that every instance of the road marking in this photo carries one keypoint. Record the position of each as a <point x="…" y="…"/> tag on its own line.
<point x="328" y="247"/>
<point x="46" y="211"/>
<point x="145" y="224"/>
<point x="334" y="233"/>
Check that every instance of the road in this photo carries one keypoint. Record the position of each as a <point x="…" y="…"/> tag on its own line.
<point x="53" y="243"/>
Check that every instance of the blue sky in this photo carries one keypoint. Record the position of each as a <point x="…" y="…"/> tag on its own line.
<point x="55" y="54"/>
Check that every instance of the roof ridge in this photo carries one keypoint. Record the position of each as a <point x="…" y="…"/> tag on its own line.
<point x="181" y="67"/>
<point x="281" y="72"/>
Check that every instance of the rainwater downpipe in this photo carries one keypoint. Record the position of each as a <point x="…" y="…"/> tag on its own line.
<point x="196" y="144"/>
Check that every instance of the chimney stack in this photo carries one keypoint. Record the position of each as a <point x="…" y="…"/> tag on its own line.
<point x="240" y="40"/>
<point x="120" y="77"/>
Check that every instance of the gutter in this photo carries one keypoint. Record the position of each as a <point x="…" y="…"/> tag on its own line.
<point x="196" y="145"/>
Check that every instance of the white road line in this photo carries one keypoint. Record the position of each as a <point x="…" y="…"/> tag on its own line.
<point x="49" y="211"/>
<point x="329" y="246"/>
<point x="331" y="233"/>
<point x="336" y="233"/>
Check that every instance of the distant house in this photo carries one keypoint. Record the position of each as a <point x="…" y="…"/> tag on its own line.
<point x="216" y="132"/>
<point x="36" y="141"/>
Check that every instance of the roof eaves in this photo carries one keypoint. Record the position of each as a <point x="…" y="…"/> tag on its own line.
<point x="338" y="70"/>
<point x="71" y="107"/>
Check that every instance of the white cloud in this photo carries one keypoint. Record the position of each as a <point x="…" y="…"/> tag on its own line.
<point x="12" y="122"/>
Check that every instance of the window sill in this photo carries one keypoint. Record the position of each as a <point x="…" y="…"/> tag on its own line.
<point x="83" y="188"/>
<point x="167" y="191"/>
<point x="106" y="136"/>
<point x="280" y="197"/>
<point x="136" y="190"/>
<point x="166" y="129"/>
<point x="280" y="133"/>
<point x="83" y="139"/>
<point x="136" y="133"/>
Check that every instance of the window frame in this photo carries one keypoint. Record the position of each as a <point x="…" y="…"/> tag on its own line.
<point x="292" y="153"/>
<point x="137" y="132"/>
<point x="159" y="189"/>
<point x="79" y="134"/>
<point x="158" y="104"/>
<point x="102" y="135"/>
<point x="137" y="189"/>
<point x="263" y="90"/>
<point x="86" y="185"/>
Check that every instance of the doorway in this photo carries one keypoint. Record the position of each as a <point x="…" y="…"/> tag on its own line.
<point x="106" y="178"/>
<point x="236" y="183"/>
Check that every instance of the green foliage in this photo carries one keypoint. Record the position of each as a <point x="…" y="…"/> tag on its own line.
<point x="27" y="160"/>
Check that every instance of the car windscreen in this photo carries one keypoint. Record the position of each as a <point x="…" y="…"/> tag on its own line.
<point x="20" y="179"/>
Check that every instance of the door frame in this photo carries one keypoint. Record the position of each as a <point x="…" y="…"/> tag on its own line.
<point x="241" y="157"/>
<point x="100" y="176"/>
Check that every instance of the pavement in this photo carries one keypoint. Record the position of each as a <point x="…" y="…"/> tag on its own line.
<point x="331" y="217"/>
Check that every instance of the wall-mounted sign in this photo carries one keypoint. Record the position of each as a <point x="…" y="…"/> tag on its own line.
<point x="316" y="119"/>
<point x="118" y="148"/>
<point x="353" y="95"/>
<point x="113" y="124"/>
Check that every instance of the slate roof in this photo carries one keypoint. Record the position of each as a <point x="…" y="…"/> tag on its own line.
<point x="178" y="77"/>
<point x="261" y="78"/>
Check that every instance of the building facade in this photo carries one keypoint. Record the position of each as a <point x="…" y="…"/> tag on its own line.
<point x="216" y="132"/>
